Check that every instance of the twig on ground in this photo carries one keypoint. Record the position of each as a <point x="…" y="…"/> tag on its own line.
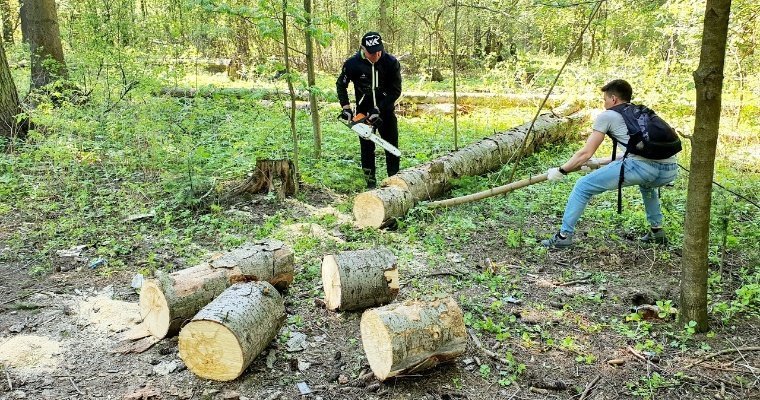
<point x="741" y="355"/>
<point x="590" y="387"/>
<point x="514" y="394"/>
<point x="23" y="296"/>
<point x="75" y="385"/>
<point x="643" y="359"/>
<point x="722" y="368"/>
<point x="487" y="352"/>
<point x="444" y="273"/>
<point x="718" y="353"/>
<point x="8" y="376"/>
<point x="576" y="281"/>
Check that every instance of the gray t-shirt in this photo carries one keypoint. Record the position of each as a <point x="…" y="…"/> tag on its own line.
<point x="611" y="122"/>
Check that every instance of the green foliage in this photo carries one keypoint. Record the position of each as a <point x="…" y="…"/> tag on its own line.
<point x="647" y="386"/>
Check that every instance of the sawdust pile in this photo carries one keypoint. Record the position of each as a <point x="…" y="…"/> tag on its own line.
<point x="106" y="314"/>
<point x="27" y="352"/>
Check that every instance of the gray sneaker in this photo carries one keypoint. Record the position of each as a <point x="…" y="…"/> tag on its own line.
<point x="655" y="237"/>
<point x="558" y="242"/>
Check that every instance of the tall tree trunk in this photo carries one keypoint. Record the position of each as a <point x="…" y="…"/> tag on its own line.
<point x="353" y="32"/>
<point x="382" y="23"/>
<point x="242" y="56"/>
<point x="708" y="79"/>
<point x="313" y="106"/>
<point x="454" y="72"/>
<point x="5" y="10"/>
<point x="24" y="22"/>
<point x="289" y="79"/>
<point x="144" y="9"/>
<point x="9" y="104"/>
<point x="41" y="20"/>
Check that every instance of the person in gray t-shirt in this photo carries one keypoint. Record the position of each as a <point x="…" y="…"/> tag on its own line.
<point x="647" y="174"/>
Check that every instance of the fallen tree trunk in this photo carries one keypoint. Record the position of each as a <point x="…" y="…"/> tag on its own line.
<point x="359" y="279"/>
<point x="227" y="335"/>
<point x="169" y="300"/>
<point x="463" y="99"/>
<point x="236" y="92"/>
<point x="480" y="99"/>
<point x="400" y="192"/>
<point x="412" y="336"/>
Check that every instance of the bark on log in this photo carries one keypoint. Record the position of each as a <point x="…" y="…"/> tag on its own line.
<point x="400" y="192"/>
<point x="236" y="92"/>
<point x="463" y="99"/>
<point x="359" y="279"/>
<point x="227" y="335"/>
<point x="169" y="300"/>
<point x="412" y="336"/>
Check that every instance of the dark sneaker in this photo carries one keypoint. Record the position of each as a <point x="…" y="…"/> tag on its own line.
<point x="655" y="237"/>
<point x="558" y="242"/>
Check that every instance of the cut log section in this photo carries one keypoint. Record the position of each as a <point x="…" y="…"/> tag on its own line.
<point x="226" y="336"/>
<point x="377" y="208"/>
<point x="359" y="279"/>
<point x="412" y="336"/>
<point x="169" y="300"/>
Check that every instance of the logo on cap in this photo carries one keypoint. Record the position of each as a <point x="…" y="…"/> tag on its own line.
<point x="372" y="41"/>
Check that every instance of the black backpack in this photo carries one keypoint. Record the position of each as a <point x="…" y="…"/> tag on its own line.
<point x="649" y="136"/>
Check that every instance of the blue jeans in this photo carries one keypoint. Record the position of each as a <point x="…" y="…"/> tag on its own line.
<point x="648" y="175"/>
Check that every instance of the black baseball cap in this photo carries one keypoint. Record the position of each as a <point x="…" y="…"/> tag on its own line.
<point x="372" y="42"/>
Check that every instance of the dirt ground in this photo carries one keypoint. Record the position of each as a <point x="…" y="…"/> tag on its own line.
<point x="58" y="333"/>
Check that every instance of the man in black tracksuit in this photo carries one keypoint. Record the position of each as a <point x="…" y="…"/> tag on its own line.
<point x="376" y="76"/>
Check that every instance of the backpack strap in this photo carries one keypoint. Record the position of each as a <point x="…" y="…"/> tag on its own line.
<point x="619" y="109"/>
<point x="620" y="186"/>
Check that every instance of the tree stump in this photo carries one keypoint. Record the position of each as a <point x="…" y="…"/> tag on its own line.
<point x="227" y="335"/>
<point x="412" y="336"/>
<point x="359" y="279"/>
<point x="436" y="75"/>
<point x="169" y="300"/>
<point x="274" y="175"/>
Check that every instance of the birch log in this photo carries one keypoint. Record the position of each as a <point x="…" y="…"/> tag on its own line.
<point x="359" y="279"/>
<point x="226" y="336"/>
<point x="169" y="300"/>
<point x="377" y="208"/>
<point x="412" y="336"/>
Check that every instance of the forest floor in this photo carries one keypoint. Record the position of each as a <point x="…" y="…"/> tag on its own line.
<point x="556" y="320"/>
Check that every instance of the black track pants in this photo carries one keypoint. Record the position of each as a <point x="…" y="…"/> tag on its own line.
<point x="389" y="131"/>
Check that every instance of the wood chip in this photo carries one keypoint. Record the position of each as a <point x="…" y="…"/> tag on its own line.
<point x="138" y="331"/>
<point x="138" y="346"/>
<point x="616" y="361"/>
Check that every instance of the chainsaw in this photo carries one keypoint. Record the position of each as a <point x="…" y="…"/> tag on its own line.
<point x="367" y="131"/>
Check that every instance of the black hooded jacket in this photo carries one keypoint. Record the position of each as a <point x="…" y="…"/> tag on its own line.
<point x="358" y="70"/>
